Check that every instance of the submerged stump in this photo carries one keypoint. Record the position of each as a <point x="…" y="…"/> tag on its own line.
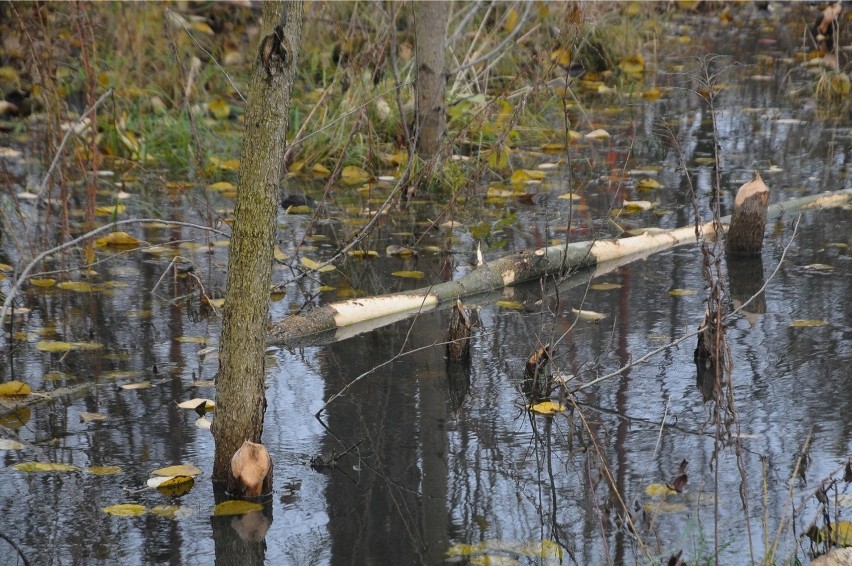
<point x="458" y="340"/>
<point x="748" y="221"/>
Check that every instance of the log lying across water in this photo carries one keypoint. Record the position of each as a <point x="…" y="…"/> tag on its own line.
<point x="512" y="269"/>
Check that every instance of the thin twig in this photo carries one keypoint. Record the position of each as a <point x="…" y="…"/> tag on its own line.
<point x="71" y="129"/>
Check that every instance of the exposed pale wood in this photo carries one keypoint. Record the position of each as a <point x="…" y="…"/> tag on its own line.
<point x="509" y="270"/>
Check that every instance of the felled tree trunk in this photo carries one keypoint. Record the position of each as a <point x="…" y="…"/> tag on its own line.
<point x="240" y="392"/>
<point x="745" y="236"/>
<point x="430" y="23"/>
<point x="509" y="270"/>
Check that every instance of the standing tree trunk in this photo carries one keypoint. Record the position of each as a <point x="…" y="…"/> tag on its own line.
<point x="430" y="24"/>
<point x="240" y="392"/>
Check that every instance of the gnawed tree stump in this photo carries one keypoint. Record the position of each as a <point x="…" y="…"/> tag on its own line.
<point x="745" y="236"/>
<point x="458" y="345"/>
<point x="537" y="377"/>
<point x="251" y="471"/>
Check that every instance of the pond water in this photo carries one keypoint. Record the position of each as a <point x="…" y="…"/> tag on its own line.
<point x="437" y="462"/>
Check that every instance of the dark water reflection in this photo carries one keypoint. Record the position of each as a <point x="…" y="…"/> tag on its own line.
<point x="432" y="463"/>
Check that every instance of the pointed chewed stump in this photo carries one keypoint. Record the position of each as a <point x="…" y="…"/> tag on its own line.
<point x="748" y="221"/>
<point x="458" y="340"/>
<point x="251" y="471"/>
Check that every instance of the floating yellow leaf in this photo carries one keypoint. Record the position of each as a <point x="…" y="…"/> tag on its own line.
<point x="547" y="408"/>
<point x="525" y="175"/>
<point x="637" y="205"/>
<point x="314" y="266"/>
<point x="681" y="292"/>
<point x="569" y="196"/>
<point x="588" y="315"/>
<point x="117" y="239"/>
<point x="126" y="510"/>
<point x="648" y="185"/>
<point x="88" y="417"/>
<point x="633" y="64"/>
<point x="104" y="470"/>
<point x="553" y="147"/>
<point x="219" y="108"/>
<point x="133" y="386"/>
<point x="192" y="339"/>
<point x="352" y="175"/>
<point x="16" y="419"/>
<point x="498" y="157"/>
<point x="47" y="282"/>
<point x="109" y="210"/>
<point x="45" y="467"/>
<point x="55" y="346"/>
<point x="5" y="267"/>
<point x="326" y="288"/>
<point x="605" y="286"/>
<point x="597" y="134"/>
<point x="178" y="470"/>
<point x="659" y="490"/>
<point x="652" y="93"/>
<point x="363" y="254"/>
<point x="216" y="303"/>
<point x="165" y="511"/>
<point x="807" y="323"/>
<point x="515" y="305"/>
<point x="76" y="286"/>
<point x="174" y="486"/>
<point x="15" y="387"/>
<point x="409" y="274"/>
<point x="299" y="209"/>
<point x="209" y="404"/>
<point x="236" y="507"/>
<point x="222" y="186"/>
<point x="819" y="267"/>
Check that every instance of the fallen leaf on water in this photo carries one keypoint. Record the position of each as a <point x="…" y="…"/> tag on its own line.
<point x="173" y="486"/>
<point x="605" y="286"/>
<point x="525" y="175"/>
<point x="799" y="323"/>
<point x="588" y="315"/>
<point x="236" y="507"/>
<point x="681" y="292"/>
<point x="353" y="175"/>
<point x="116" y="239"/>
<point x="8" y="444"/>
<point x="45" y="467"/>
<point x="314" y="266"/>
<point x="633" y="64"/>
<point x="597" y="134"/>
<point x="15" y="387"/>
<point x="648" y="185"/>
<point x="658" y="490"/>
<point x="42" y="282"/>
<point x="222" y="186"/>
<point x="111" y="209"/>
<point x="363" y="254"/>
<point x="166" y="511"/>
<point x="819" y="267"/>
<point x="88" y="417"/>
<point x="638" y="205"/>
<point x="203" y="422"/>
<point x="209" y="404"/>
<point x="570" y="196"/>
<point x="409" y="274"/>
<point x="104" y="470"/>
<point x="192" y="339"/>
<point x="216" y="303"/>
<point x="178" y="470"/>
<point x="126" y="510"/>
<point x="547" y="408"/>
<point x="78" y="286"/>
<point x="133" y="386"/>
<point x="515" y="305"/>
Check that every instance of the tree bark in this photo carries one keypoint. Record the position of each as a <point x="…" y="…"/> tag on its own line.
<point x="510" y="270"/>
<point x="240" y="393"/>
<point x="749" y="218"/>
<point x="430" y="24"/>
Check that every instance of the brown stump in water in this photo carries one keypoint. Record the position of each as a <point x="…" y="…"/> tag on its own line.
<point x="748" y="221"/>
<point x="458" y="346"/>
<point x="251" y="471"/>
